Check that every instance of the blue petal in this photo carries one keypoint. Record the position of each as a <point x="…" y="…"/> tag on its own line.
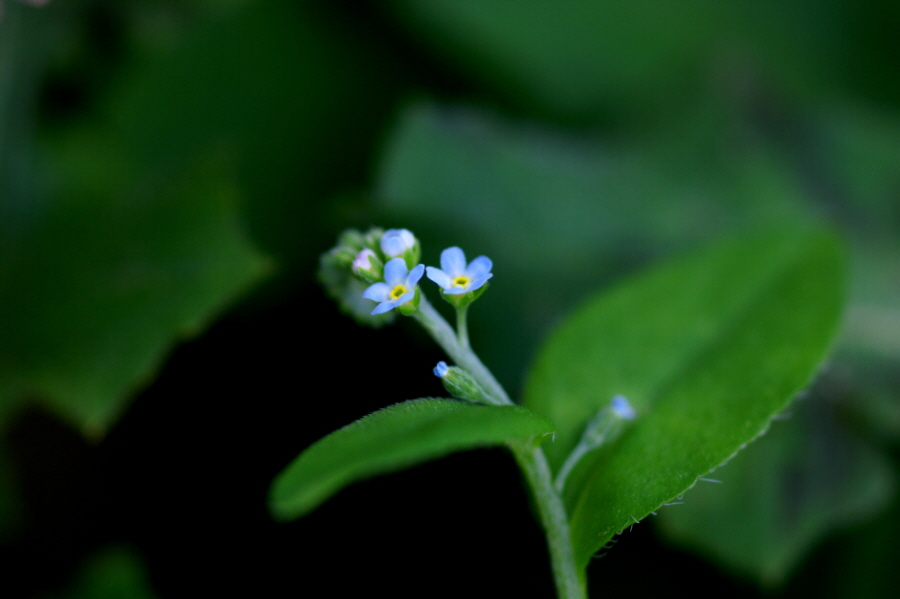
<point x="439" y="276"/>
<point x="378" y="292"/>
<point x="395" y="272"/>
<point x="479" y="267"/>
<point x="476" y="283"/>
<point x="414" y="275"/>
<point x="456" y="291"/>
<point x="453" y="261"/>
<point x="383" y="307"/>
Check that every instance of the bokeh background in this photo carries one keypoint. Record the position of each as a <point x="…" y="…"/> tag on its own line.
<point x="171" y="170"/>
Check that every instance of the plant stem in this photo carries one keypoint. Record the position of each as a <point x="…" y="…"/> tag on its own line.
<point x="462" y="327"/>
<point x="554" y="519"/>
<point x="531" y="459"/>
<point x="443" y="333"/>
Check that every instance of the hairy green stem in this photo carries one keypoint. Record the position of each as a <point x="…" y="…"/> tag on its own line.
<point x="464" y="357"/>
<point x="462" y="327"/>
<point x="532" y="460"/>
<point x="554" y="519"/>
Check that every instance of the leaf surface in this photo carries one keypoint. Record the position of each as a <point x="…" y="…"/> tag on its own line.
<point x="391" y="439"/>
<point x="707" y="349"/>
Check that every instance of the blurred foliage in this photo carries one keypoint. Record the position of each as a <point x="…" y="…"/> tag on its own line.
<point x="152" y="153"/>
<point x="804" y="478"/>
<point x="112" y="573"/>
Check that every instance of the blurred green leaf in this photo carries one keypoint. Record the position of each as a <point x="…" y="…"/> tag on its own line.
<point x="294" y="94"/>
<point x="560" y="212"/>
<point x="112" y="573"/>
<point x="593" y="60"/>
<point x="391" y="439"/>
<point x="803" y="479"/>
<point x="564" y="200"/>
<point x="135" y="236"/>
<point x="707" y="349"/>
<point x="96" y="289"/>
<point x="867" y="559"/>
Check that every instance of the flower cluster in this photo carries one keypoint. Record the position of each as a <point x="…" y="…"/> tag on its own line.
<point x="394" y="283"/>
<point x="388" y="262"/>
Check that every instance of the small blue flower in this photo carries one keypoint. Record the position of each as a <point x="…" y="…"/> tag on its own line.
<point x="396" y="242"/>
<point x="399" y="286"/>
<point x="455" y="277"/>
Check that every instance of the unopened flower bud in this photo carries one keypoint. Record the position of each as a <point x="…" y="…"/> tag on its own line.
<point x="401" y="243"/>
<point x="460" y="384"/>
<point x="606" y="426"/>
<point x="367" y="266"/>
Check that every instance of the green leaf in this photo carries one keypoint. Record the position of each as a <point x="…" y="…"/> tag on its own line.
<point x="391" y="439"/>
<point x="707" y="349"/>
<point x="803" y="479"/>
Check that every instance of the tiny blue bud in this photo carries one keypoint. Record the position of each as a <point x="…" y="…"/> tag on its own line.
<point x="605" y="427"/>
<point x="441" y="370"/>
<point x="622" y="408"/>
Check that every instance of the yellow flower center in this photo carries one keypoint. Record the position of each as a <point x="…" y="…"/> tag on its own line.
<point x="398" y="292"/>
<point x="461" y="282"/>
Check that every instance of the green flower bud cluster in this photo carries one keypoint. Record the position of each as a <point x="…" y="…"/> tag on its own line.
<point x="348" y="269"/>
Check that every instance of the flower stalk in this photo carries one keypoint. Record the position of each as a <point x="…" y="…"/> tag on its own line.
<point x="551" y="510"/>
<point x="388" y="262"/>
<point x="462" y="327"/>
<point x="463" y="356"/>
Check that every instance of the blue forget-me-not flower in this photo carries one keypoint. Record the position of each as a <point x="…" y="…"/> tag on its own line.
<point x="398" y="287"/>
<point x="456" y="277"/>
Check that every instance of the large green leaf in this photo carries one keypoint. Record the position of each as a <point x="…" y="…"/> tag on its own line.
<point x="707" y="349"/>
<point x="393" y="438"/>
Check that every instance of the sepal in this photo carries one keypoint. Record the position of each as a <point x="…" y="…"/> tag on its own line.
<point x="462" y="300"/>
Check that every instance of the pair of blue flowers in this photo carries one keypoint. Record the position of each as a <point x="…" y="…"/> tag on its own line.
<point x="455" y="277"/>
